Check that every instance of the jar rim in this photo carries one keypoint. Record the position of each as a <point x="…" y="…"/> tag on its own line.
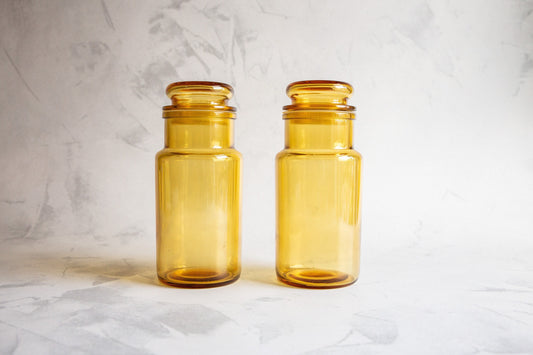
<point x="330" y="84"/>
<point x="195" y="85"/>
<point x="192" y="96"/>
<point x="319" y="95"/>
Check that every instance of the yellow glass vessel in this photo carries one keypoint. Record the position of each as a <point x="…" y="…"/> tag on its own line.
<point x="198" y="188"/>
<point x="318" y="185"/>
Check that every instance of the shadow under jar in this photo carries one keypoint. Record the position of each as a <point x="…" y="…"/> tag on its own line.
<point x="198" y="188"/>
<point x="318" y="187"/>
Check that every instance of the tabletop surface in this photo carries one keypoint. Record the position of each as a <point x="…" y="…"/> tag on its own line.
<point x="62" y="297"/>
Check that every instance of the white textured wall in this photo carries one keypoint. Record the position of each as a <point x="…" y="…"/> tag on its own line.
<point x="444" y="91"/>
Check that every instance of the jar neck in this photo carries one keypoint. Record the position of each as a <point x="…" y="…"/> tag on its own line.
<point x="317" y="133"/>
<point x="198" y="133"/>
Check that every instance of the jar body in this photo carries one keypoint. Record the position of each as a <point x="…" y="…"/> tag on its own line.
<point x="198" y="198"/>
<point x="318" y="229"/>
<point x="198" y="217"/>
<point x="318" y="189"/>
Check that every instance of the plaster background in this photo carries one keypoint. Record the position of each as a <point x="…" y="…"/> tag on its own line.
<point x="444" y="93"/>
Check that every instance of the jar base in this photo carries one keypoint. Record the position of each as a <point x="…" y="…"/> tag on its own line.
<point x="198" y="278"/>
<point x="315" y="278"/>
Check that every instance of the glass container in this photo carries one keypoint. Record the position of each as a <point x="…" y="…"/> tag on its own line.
<point x="198" y="188"/>
<point x="318" y="188"/>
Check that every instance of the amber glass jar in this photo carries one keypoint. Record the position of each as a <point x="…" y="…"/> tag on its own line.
<point x="318" y="180"/>
<point x="198" y="187"/>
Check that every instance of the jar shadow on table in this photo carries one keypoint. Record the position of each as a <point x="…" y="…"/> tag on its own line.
<point x="101" y="269"/>
<point x="95" y="269"/>
<point x="261" y="273"/>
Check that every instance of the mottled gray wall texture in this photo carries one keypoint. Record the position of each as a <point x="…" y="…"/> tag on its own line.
<point x="444" y="91"/>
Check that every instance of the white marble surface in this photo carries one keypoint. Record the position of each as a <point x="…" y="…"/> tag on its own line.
<point x="422" y="300"/>
<point x="444" y="91"/>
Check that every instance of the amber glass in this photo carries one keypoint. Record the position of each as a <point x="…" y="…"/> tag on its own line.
<point x="318" y="180"/>
<point x="198" y="186"/>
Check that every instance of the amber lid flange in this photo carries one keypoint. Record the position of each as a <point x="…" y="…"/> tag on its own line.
<point x="319" y="95"/>
<point x="193" y="96"/>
